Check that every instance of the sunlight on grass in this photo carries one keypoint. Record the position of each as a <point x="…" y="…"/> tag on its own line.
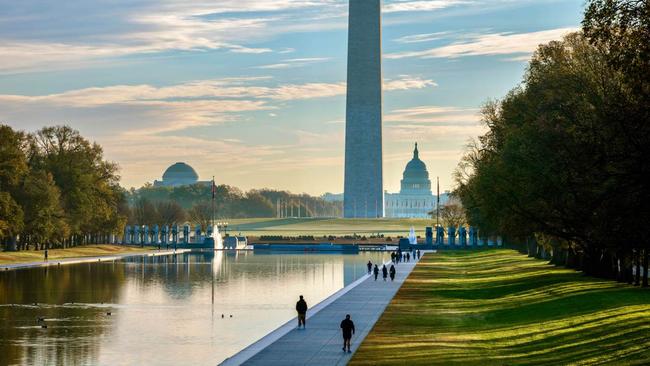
<point x="75" y="252"/>
<point x="497" y="307"/>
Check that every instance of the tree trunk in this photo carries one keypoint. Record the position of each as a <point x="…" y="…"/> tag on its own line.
<point x="645" y="267"/>
<point x="637" y="262"/>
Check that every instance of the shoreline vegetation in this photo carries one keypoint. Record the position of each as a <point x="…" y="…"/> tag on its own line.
<point x="499" y="307"/>
<point x="28" y="256"/>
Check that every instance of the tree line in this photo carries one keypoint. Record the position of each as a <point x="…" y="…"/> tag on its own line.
<point x="192" y="203"/>
<point x="56" y="189"/>
<point x="562" y="171"/>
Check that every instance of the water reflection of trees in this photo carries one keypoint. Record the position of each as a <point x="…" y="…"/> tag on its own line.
<point x="70" y="299"/>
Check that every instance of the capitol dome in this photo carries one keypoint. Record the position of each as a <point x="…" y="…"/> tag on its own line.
<point x="179" y="174"/>
<point x="415" y="179"/>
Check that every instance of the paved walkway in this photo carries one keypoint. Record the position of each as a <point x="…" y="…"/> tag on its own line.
<point x="321" y="343"/>
<point x="101" y="258"/>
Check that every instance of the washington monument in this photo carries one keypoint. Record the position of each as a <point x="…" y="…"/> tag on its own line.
<point x="363" y="192"/>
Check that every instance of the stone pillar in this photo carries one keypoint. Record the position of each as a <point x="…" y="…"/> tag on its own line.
<point x="429" y="235"/>
<point x="186" y="234"/>
<point x="197" y="234"/>
<point x="136" y="234"/>
<point x="462" y="236"/>
<point x="451" y="235"/>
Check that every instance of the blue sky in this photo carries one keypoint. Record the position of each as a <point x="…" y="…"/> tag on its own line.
<point x="253" y="91"/>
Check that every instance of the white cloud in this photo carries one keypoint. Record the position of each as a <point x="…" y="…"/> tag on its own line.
<point x="428" y="5"/>
<point x="425" y="37"/>
<point x="293" y="63"/>
<point x="175" y="107"/>
<point x="489" y="44"/>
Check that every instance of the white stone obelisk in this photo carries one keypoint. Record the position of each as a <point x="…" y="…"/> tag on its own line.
<point x="363" y="191"/>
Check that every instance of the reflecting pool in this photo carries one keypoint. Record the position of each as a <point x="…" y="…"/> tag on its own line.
<point x="187" y="309"/>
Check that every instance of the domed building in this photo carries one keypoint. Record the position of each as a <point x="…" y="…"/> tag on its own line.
<point x="414" y="198"/>
<point x="179" y="174"/>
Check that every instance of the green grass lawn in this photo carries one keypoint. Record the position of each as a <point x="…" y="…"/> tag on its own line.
<point x="320" y="226"/>
<point x="76" y="252"/>
<point x="498" y="307"/>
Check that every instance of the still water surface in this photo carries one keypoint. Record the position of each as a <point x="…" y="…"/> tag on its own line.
<point x="163" y="310"/>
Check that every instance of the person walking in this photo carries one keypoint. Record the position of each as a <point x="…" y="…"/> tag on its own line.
<point x="376" y="270"/>
<point x="408" y="256"/>
<point x="384" y="272"/>
<point x="392" y="257"/>
<point x="418" y="254"/>
<point x="392" y="273"/>
<point x="46" y="253"/>
<point x="347" y="326"/>
<point x="369" y="267"/>
<point x="301" y="308"/>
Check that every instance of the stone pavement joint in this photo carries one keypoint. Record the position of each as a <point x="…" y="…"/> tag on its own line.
<point x="321" y="343"/>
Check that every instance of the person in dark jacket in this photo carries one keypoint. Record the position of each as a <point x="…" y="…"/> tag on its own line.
<point x="418" y="253"/>
<point x="369" y="267"/>
<point x="347" y="326"/>
<point x="376" y="270"/>
<point x="301" y="308"/>
<point x="384" y="272"/>
<point x="392" y="272"/>
<point x="408" y="256"/>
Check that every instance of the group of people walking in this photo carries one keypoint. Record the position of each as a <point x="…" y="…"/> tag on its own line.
<point x="404" y="256"/>
<point x="347" y="325"/>
<point x="384" y="271"/>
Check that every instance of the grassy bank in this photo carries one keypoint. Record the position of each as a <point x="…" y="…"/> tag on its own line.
<point x="498" y="307"/>
<point x="76" y="252"/>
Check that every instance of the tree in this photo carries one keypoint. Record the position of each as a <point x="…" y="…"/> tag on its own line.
<point x="86" y="181"/>
<point x="13" y="168"/>
<point x="145" y="213"/>
<point x="44" y="216"/>
<point x="201" y="214"/>
<point x="453" y="214"/>
<point x="170" y="213"/>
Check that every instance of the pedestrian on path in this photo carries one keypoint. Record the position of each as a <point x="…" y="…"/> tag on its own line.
<point x="369" y="267"/>
<point x="408" y="256"/>
<point x="418" y="254"/>
<point x="384" y="272"/>
<point x="392" y="257"/>
<point x="392" y="273"/>
<point x="46" y="254"/>
<point x="347" y="325"/>
<point x="376" y="272"/>
<point x="301" y="308"/>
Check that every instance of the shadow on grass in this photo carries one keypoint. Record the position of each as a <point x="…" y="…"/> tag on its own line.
<point x="498" y="307"/>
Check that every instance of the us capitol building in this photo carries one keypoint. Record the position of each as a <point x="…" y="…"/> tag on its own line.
<point x="414" y="198"/>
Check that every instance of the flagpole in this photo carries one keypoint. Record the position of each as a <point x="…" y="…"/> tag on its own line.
<point x="213" y="194"/>
<point x="438" y="201"/>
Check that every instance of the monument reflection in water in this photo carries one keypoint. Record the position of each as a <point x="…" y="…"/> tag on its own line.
<point x="163" y="310"/>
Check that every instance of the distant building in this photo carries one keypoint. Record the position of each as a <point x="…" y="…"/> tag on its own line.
<point x="332" y="197"/>
<point x="415" y="199"/>
<point x="179" y="174"/>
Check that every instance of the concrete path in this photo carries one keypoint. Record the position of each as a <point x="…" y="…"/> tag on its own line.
<point x="101" y="258"/>
<point x="321" y="343"/>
